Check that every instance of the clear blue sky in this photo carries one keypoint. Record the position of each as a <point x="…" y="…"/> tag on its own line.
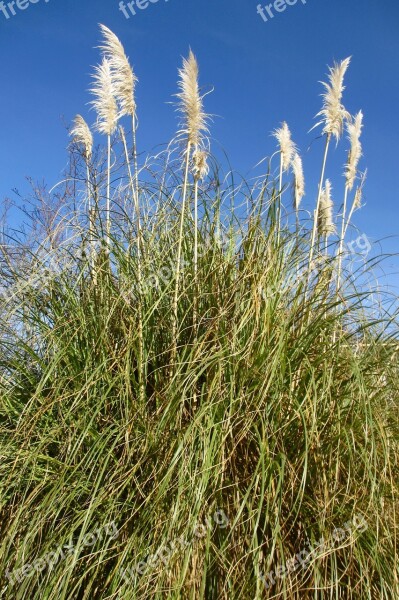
<point x="262" y="72"/>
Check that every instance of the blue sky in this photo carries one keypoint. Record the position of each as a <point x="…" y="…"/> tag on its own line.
<point x="262" y="73"/>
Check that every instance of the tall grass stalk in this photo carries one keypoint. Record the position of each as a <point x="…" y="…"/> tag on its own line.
<point x="105" y="105"/>
<point x="316" y="214"/>
<point x="193" y="128"/>
<point x="82" y="135"/>
<point x="357" y="201"/>
<point x="355" y="153"/>
<point x="287" y="153"/>
<point x="179" y="257"/>
<point x="134" y="190"/>
<point x="333" y="116"/>
<point x="298" y="186"/>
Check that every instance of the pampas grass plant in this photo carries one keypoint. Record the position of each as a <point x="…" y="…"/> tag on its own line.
<point x="194" y="126"/>
<point x="124" y="83"/>
<point x="106" y="108"/>
<point x="287" y="152"/>
<point x="333" y="116"/>
<point x="82" y="136"/>
<point x="274" y="430"/>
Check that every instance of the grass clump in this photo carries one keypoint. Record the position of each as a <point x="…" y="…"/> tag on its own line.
<point x="197" y="399"/>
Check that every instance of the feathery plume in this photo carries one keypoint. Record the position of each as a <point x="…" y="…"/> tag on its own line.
<point x="299" y="180"/>
<point x="200" y="165"/>
<point x="358" y="197"/>
<point x="357" y="203"/>
<point x="287" y="146"/>
<point x="124" y="79"/>
<point x="82" y="135"/>
<point x="333" y="112"/>
<point x="191" y="105"/>
<point x="104" y="103"/>
<point x="355" y="153"/>
<point x="326" y="223"/>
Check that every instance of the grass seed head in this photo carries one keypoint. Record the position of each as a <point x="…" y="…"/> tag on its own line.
<point x="104" y="103"/>
<point x="333" y="113"/>
<point x="287" y="146"/>
<point x="200" y="164"/>
<point x="124" y="79"/>
<point x="191" y="103"/>
<point x="354" y="132"/>
<point x="326" y="215"/>
<point x="299" y="180"/>
<point x="82" y="135"/>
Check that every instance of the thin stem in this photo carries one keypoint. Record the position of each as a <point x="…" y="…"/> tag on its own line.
<point x="108" y="200"/>
<point x="136" y="171"/>
<point x="316" y="213"/>
<point x="297" y="224"/>
<point x="134" y="188"/>
<point x="196" y="290"/>
<point x="341" y="240"/>
<point x="96" y="214"/>
<point x="91" y="218"/>
<point x="350" y="217"/>
<point x="179" y="252"/>
<point x="195" y="255"/>
<point x="278" y="218"/>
